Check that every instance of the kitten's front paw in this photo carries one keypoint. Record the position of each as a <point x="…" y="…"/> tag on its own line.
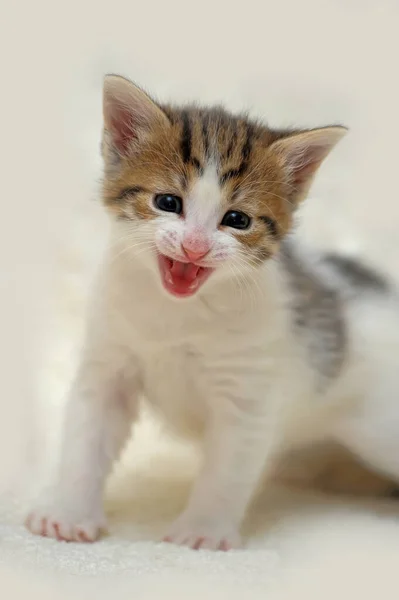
<point x="203" y="535"/>
<point x="63" y="528"/>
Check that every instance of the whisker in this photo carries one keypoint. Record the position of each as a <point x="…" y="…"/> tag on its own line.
<point x="141" y="246"/>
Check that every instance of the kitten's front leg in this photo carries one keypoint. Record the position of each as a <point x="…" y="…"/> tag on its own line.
<point x="239" y="443"/>
<point x="99" y="413"/>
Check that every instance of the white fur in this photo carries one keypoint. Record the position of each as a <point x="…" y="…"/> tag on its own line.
<point x="223" y="367"/>
<point x="204" y="211"/>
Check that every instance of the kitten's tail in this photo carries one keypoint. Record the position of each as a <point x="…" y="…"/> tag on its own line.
<point x="356" y="261"/>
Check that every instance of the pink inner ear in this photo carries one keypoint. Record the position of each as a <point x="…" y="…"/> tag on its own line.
<point x="304" y="164"/>
<point x="121" y="128"/>
<point x="302" y="173"/>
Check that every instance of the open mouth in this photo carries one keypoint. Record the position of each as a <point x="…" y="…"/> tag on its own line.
<point x="182" y="279"/>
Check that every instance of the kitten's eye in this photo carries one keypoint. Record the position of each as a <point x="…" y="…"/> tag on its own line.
<point x="236" y="220"/>
<point x="169" y="203"/>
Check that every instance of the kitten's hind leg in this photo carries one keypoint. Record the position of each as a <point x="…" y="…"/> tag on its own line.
<point x="372" y="434"/>
<point x="369" y="424"/>
<point x="99" y="415"/>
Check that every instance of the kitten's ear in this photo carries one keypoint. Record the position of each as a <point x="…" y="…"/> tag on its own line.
<point x="301" y="154"/>
<point x="129" y="114"/>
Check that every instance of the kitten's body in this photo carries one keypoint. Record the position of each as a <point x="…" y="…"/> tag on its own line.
<point x="323" y="381"/>
<point x="291" y="352"/>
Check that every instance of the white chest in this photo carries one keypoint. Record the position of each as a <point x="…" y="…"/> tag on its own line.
<point x="175" y="386"/>
<point x="182" y="347"/>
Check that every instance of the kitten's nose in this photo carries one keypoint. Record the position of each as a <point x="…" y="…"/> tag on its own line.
<point x="194" y="255"/>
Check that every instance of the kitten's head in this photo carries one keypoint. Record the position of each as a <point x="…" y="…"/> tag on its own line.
<point x="199" y="192"/>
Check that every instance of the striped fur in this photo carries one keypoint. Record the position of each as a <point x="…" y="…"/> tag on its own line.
<point x="179" y="145"/>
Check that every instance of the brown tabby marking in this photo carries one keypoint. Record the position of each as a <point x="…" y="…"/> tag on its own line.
<point x="175" y="156"/>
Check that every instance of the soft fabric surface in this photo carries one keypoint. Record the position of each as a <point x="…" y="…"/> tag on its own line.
<point x="297" y="543"/>
<point x="302" y="62"/>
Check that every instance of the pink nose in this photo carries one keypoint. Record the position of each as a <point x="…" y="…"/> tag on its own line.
<point x="192" y="255"/>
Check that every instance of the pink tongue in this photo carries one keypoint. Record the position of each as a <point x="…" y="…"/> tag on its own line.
<point x="185" y="271"/>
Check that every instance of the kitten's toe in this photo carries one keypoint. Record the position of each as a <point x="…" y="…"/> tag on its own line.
<point x="62" y="529"/>
<point x="203" y="537"/>
<point x="213" y="543"/>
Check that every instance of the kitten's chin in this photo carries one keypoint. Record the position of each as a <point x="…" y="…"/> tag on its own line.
<point x="182" y="279"/>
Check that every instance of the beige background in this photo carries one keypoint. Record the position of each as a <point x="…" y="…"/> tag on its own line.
<point x="296" y="62"/>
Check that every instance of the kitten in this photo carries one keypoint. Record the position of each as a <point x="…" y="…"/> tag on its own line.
<point x="208" y="304"/>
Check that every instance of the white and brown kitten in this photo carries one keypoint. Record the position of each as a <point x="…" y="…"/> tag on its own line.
<point x="207" y="304"/>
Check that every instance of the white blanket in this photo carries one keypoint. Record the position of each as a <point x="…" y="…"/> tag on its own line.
<point x="298" y="545"/>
